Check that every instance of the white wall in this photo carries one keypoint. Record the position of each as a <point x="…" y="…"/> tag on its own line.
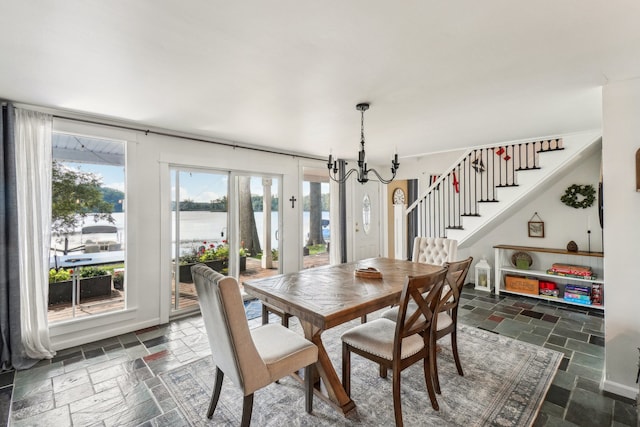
<point x="422" y="166"/>
<point x="562" y="223"/>
<point x="148" y="245"/>
<point x="621" y="140"/>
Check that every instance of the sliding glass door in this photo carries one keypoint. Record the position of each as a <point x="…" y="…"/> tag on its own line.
<point x="258" y="219"/>
<point x="237" y="235"/>
<point x="200" y="223"/>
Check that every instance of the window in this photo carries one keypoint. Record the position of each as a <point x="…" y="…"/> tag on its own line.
<point x="88" y="240"/>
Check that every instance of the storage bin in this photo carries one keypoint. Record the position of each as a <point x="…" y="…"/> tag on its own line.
<point x="521" y="284"/>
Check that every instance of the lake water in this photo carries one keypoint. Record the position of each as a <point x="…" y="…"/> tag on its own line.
<point x="195" y="227"/>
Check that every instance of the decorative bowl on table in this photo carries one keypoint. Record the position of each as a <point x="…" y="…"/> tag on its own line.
<point x="521" y="260"/>
<point x="368" y="273"/>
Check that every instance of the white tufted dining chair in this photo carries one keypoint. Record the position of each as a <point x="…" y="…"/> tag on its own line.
<point x="434" y="250"/>
<point x="254" y="358"/>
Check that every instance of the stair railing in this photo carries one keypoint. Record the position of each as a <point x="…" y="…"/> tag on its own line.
<point x="472" y="180"/>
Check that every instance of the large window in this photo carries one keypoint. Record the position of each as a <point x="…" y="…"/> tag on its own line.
<point x="87" y="265"/>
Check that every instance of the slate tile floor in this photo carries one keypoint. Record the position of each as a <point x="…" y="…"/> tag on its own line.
<point x="114" y="382"/>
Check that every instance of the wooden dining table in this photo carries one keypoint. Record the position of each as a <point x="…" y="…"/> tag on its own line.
<point x="325" y="297"/>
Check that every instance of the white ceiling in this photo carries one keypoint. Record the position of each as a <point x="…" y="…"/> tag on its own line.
<point x="288" y="73"/>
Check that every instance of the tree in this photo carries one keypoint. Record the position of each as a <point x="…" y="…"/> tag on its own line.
<point x="75" y="196"/>
<point x="113" y="197"/>
<point x="315" y="214"/>
<point x="248" y="229"/>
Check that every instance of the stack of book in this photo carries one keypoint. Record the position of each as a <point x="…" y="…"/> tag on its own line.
<point x="577" y="294"/>
<point x="568" y="270"/>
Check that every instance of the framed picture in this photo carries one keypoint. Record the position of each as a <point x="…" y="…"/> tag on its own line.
<point x="536" y="229"/>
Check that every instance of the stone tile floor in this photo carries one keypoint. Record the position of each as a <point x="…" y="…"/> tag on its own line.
<point x="114" y="382"/>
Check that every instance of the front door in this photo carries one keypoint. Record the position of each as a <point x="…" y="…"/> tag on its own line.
<point x="366" y="220"/>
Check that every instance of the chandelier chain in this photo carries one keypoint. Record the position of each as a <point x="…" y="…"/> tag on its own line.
<point x="362" y="173"/>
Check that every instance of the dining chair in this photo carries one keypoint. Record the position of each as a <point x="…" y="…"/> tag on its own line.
<point x="447" y="320"/>
<point x="434" y="250"/>
<point x="254" y="358"/>
<point x="398" y="345"/>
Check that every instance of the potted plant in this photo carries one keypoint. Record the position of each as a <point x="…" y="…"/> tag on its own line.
<point x="215" y="256"/>
<point x="118" y="279"/>
<point x="60" y="285"/>
<point x="94" y="281"/>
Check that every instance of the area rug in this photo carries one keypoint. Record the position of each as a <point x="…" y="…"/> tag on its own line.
<point x="504" y="384"/>
<point x="253" y="309"/>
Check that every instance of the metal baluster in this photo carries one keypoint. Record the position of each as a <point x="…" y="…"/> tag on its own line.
<point x="475" y="186"/>
<point x="449" y="207"/>
<point x="513" y="168"/>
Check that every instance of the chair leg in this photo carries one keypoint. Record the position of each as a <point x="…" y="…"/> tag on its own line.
<point x="247" y="407"/>
<point x="216" y="392"/>
<point x="454" y="347"/>
<point x="397" y="403"/>
<point x="346" y="369"/>
<point x="308" y="388"/>
<point x="383" y="371"/>
<point x="433" y="356"/>
<point x="430" y="379"/>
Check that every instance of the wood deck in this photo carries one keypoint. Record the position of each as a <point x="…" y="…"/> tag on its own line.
<point x="188" y="297"/>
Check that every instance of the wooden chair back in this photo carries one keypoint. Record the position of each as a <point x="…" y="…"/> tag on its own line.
<point x="426" y="292"/>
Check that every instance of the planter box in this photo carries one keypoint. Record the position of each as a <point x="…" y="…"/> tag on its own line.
<point x="217" y="265"/>
<point x="90" y="287"/>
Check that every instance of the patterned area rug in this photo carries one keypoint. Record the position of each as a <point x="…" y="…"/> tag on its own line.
<point x="504" y="384"/>
<point x="253" y="309"/>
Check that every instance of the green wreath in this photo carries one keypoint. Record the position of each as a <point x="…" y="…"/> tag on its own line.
<point x="571" y="196"/>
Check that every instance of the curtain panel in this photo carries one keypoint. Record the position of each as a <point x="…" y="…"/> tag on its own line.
<point x="33" y="171"/>
<point x="12" y="353"/>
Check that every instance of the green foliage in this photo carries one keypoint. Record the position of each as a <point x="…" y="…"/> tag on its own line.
<point x="214" y="253"/>
<point x="113" y="197"/>
<point x="118" y="279"/>
<point x="324" y="203"/>
<point x="209" y="252"/>
<point x="579" y="196"/>
<point x="93" y="272"/>
<point x="256" y="202"/>
<point x="60" y="275"/>
<point x="75" y="196"/>
<point x="317" y="249"/>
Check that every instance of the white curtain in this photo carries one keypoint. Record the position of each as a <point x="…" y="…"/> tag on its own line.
<point x="33" y="172"/>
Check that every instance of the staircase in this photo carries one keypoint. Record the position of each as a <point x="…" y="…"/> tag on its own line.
<point x="488" y="182"/>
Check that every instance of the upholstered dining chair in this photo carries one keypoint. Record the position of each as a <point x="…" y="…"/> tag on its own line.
<point x="434" y="250"/>
<point x="398" y="345"/>
<point x="252" y="359"/>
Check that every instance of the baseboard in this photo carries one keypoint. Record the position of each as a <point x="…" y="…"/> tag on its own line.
<point x="64" y="341"/>
<point x="620" y="389"/>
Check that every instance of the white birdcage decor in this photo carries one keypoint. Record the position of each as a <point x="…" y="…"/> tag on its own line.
<point x="483" y="275"/>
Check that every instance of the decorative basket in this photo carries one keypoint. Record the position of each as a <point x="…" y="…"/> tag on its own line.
<point x="368" y="273"/>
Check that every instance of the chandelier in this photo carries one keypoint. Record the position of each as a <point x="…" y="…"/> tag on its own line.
<point x="362" y="171"/>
